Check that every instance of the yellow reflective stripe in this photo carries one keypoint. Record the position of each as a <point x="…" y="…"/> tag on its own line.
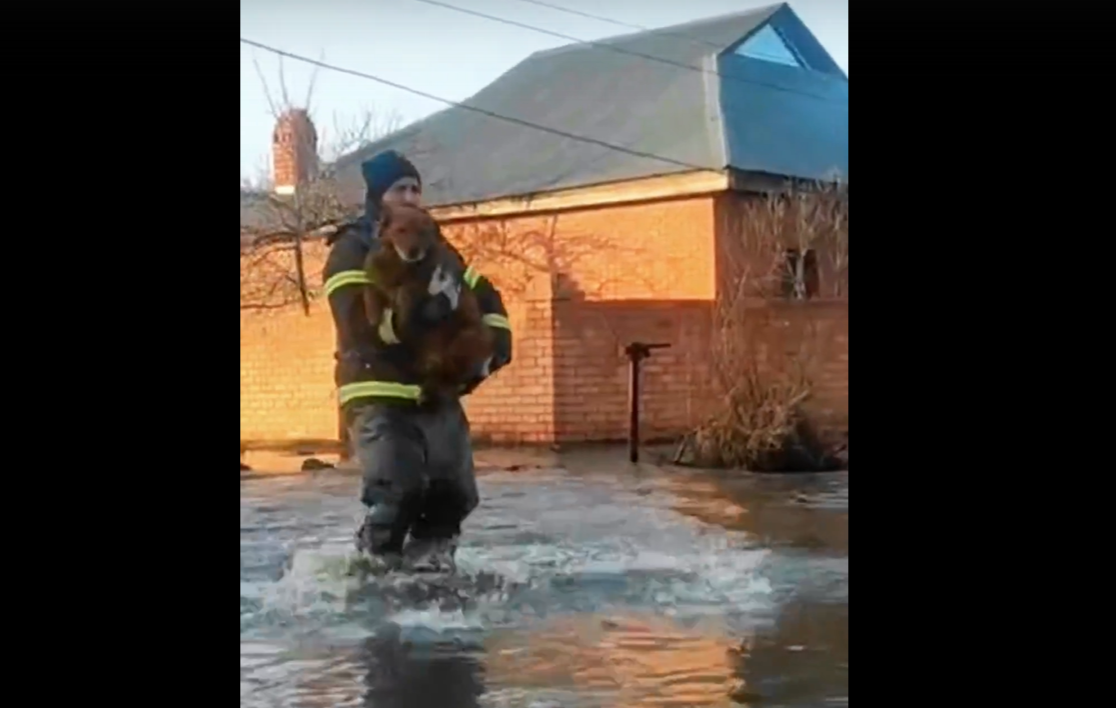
<point x="493" y="319"/>
<point x="472" y="275"/>
<point x="345" y="277"/>
<point x="387" y="331"/>
<point x="377" y="389"/>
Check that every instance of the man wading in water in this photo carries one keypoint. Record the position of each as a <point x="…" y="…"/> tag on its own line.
<point x="416" y="456"/>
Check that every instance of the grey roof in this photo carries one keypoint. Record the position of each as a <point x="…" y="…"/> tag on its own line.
<point x="260" y="219"/>
<point x="249" y="201"/>
<point x="251" y="213"/>
<point x="692" y="117"/>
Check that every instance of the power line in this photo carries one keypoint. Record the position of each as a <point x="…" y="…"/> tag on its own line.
<point x="474" y="109"/>
<point x="618" y="23"/>
<point x="568" y="38"/>
<point x="612" y="48"/>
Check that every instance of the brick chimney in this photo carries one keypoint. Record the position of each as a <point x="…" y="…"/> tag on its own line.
<point x="294" y="151"/>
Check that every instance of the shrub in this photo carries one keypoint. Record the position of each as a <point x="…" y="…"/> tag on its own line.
<point x="779" y="249"/>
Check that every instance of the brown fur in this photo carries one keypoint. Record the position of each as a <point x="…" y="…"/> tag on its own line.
<point x="449" y="352"/>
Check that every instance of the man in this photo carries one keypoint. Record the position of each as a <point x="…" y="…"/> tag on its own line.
<point x="416" y="456"/>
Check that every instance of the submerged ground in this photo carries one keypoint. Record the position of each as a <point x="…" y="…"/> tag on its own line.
<point x="617" y="586"/>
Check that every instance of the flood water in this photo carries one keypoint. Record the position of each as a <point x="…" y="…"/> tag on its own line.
<point x="601" y="587"/>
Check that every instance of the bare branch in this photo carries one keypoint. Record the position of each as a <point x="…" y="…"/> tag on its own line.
<point x="275" y="112"/>
<point x="273" y="259"/>
<point x="766" y="353"/>
<point x="283" y="86"/>
<point x="367" y="127"/>
<point x="312" y="83"/>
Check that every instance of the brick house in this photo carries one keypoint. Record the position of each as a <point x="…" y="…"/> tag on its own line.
<point x="593" y="246"/>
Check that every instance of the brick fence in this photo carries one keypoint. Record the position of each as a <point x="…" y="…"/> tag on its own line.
<point x="579" y="286"/>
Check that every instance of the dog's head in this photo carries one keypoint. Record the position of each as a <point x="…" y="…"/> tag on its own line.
<point x="410" y="230"/>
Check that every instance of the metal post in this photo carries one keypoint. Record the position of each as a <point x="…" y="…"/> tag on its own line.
<point x="633" y="406"/>
<point x="637" y="352"/>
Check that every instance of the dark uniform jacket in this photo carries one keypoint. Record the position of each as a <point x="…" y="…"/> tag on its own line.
<point x="375" y="366"/>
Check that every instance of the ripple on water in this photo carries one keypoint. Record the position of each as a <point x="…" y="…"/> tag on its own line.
<point x="678" y="594"/>
<point x="613" y="557"/>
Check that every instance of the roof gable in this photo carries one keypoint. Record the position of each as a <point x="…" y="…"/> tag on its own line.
<point x="766" y="44"/>
<point x="787" y="118"/>
<point x="785" y="31"/>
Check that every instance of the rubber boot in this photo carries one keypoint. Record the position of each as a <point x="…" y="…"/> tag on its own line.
<point x="431" y="555"/>
<point x="373" y="543"/>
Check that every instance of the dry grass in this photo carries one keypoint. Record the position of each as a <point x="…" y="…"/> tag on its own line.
<point x="763" y="369"/>
<point x="761" y="427"/>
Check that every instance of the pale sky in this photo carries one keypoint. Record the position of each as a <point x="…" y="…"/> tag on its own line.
<point x="440" y="51"/>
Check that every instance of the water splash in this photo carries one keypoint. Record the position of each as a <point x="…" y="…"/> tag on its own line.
<point x="536" y="553"/>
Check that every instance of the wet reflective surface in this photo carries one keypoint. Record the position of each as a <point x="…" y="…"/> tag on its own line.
<point x="602" y="587"/>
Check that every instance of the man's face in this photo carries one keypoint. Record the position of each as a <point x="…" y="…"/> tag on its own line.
<point x="405" y="190"/>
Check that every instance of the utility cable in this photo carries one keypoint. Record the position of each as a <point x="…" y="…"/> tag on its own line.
<point x="618" y="50"/>
<point x="626" y="25"/>
<point x="474" y="109"/>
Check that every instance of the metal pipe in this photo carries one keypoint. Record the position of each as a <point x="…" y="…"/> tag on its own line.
<point x="637" y="352"/>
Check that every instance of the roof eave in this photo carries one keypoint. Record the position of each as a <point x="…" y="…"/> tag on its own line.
<point x="767" y="183"/>
<point x="630" y="191"/>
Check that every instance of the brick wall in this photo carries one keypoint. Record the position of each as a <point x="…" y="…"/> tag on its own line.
<point x="592" y="281"/>
<point x="286" y="357"/>
<point x="813" y="333"/>
<point x="816" y="335"/>
<point x="592" y="372"/>
<point x="579" y="286"/>
<point x="517" y="405"/>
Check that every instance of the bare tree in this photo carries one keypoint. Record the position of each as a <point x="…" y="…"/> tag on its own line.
<point x="276" y="227"/>
<point x="763" y="359"/>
